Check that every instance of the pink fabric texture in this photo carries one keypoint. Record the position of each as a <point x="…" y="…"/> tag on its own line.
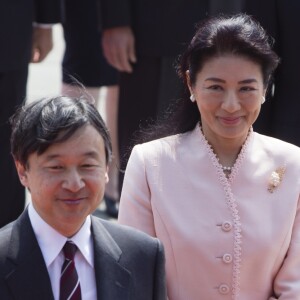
<point x="224" y="238"/>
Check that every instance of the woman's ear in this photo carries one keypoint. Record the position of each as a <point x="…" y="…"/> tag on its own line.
<point x="22" y="172"/>
<point x="188" y="81"/>
<point x="264" y="96"/>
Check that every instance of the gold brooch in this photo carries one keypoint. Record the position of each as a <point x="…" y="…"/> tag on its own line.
<point x="275" y="179"/>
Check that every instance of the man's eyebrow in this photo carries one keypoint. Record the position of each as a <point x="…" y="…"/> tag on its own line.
<point x="250" y="80"/>
<point x="52" y="156"/>
<point x="93" y="154"/>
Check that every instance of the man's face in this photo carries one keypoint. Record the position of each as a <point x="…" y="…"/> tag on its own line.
<point x="67" y="181"/>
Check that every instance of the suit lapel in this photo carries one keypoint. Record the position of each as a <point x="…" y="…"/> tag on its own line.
<point x="28" y="276"/>
<point x="112" y="279"/>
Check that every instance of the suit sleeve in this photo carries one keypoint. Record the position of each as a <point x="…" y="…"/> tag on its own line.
<point x="47" y="11"/>
<point x="287" y="281"/>
<point x="135" y="205"/>
<point x="160" y="292"/>
<point x="116" y="13"/>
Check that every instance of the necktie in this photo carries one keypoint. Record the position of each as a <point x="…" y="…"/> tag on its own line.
<point x="69" y="282"/>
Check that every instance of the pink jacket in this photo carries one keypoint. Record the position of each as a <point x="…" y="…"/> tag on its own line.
<point x="236" y="238"/>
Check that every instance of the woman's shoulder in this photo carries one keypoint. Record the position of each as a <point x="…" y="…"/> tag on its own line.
<point x="277" y="147"/>
<point x="165" y="144"/>
<point x="283" y="145"/>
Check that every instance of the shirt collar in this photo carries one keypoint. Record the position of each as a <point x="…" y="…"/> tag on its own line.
<point x="51" y="241"/>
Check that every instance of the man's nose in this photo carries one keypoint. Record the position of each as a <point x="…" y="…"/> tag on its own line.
<point x="73" y="181"/>
<point x="231" y="102"/>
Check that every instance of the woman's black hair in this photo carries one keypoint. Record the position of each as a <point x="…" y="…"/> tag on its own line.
<point x="239" y="35"/>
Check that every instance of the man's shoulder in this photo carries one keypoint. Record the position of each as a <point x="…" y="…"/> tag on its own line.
<point x="12" y="234"/>
<point x="5" y="238"/>
<point x="5" y="233"/>
<point x="128" y="237"/>
<point x="117" y="229"/>
<point x="133" y="252"/>
<point x="133" y="247"/>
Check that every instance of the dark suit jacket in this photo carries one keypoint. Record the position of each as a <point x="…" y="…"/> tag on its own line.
<point x="265" y="13"/>
<point x="161" y="27"/>
<point x="16" y="18"/>
<point x="286" y="120"/>
<point x="128" y="264"/>
<point x="280" y="114"/>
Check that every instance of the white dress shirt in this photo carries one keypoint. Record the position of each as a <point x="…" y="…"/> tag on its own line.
<point x="51" y="243"/>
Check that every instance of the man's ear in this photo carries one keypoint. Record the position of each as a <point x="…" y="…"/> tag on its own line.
<point x="106" y="175"/>
<point x="22" y="172"/>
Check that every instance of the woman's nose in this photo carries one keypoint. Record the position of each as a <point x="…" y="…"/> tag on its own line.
<point x="231" y="103"/>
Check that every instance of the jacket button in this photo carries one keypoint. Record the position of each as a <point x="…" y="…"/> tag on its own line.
<point x="227" y="258"/>
<point x="226" y="226"/>
<point x="224" y="289"/>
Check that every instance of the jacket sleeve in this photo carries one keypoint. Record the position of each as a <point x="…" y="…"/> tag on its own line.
<point x="116" y="13"/>
<point x="135" y="204"/>
<point x="47" y="11"/>
<point x="287" y="281"/>
<point x="160" y="292"/>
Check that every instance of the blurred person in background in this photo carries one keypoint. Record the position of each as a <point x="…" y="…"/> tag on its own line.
<point x="26" y="35"/>
<point x="142" y="40"/>
<point x="84" y="64"/>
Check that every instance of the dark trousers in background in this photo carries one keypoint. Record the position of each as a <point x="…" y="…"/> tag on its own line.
<point x="144" y="95"/>
<point x="12" y="94"/>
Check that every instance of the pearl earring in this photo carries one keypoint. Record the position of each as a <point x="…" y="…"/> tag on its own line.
<point x="263" y="100"/>
<point x="192" y="97"/>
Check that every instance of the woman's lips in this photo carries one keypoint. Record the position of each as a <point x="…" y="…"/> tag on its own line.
<point x="230" y="120"/>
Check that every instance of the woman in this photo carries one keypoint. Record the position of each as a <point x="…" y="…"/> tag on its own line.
<point x="222" y="198"/>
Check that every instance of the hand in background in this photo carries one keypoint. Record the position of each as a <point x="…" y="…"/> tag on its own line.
<point x="42" y="43"/>
<point x="118" y="48"/>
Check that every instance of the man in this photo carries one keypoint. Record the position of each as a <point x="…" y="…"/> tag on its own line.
<point x="25" y="34"/>
<point x="61" y="148"/>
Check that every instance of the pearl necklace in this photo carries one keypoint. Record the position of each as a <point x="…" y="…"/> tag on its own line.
<point x="227" y="169"/>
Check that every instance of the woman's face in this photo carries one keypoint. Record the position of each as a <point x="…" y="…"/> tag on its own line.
<point x="229" y="91"/>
